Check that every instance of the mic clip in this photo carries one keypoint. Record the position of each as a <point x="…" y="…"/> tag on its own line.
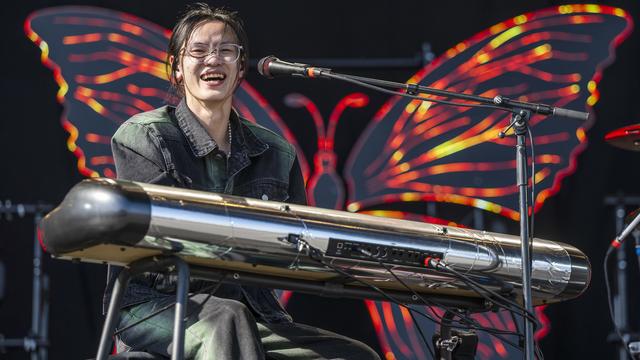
<point x="315" y="72"/>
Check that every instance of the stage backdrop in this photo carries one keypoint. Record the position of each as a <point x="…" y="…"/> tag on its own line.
<point x="78" y="72"/>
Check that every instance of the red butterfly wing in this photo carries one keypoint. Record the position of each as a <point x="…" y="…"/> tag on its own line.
<point x="422" y="151"/>
<point x="415" y="151"/>
<point x="109" y="66"/>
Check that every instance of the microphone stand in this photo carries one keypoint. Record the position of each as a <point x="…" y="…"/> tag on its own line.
<point x="498" y="102"/>
<point x="520" y="126"/>
<point x="521" y="112"/>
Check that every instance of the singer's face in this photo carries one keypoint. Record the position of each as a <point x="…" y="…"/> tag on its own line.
<point x="208" y="81"/>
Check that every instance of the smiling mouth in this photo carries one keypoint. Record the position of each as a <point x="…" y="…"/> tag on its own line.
<point x="213" y="77"/>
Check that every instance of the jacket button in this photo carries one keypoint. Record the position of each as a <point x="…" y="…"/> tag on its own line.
<point x="265" y="197"/>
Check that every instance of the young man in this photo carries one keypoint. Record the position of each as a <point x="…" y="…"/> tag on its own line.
<point x="203" y="144"/>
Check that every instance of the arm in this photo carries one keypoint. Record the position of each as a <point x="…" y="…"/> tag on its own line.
<point x="138" y="157"/>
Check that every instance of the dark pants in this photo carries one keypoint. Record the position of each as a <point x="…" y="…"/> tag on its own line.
<point x="219" y="328"/>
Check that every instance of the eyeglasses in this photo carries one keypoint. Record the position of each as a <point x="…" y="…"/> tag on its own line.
<point x="227" y="53"/>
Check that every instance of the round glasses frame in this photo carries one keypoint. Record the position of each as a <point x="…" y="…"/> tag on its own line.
<point x="226" y="53"/>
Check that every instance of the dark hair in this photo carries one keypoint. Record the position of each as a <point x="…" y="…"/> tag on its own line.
<point x="196" y="15"/>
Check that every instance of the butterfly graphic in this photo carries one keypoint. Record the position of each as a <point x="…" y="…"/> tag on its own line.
<point x="110" y="65"/>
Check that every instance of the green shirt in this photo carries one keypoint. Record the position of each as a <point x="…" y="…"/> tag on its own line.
<point x="215" y="164"/>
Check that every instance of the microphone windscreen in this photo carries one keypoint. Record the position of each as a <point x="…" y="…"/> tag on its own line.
<point x="263" y="65"/>
<point x="571" y="114"/>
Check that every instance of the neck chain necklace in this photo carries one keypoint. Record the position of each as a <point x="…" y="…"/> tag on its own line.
<point x="229" y="132"/>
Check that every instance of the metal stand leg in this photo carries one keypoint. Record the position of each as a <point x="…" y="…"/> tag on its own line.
<point x="43" y="332"/>
<point x="181" y="309"/>
<point x="136" y="268"/>
<point x="520" y="127"/>
<point x="620" y="299"/>
<point x="36" y="342"/>
<point x="36" y="303"/>
<point x="112" y="314"/>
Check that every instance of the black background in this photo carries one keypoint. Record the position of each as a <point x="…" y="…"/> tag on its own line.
<point x="35" y="165"/>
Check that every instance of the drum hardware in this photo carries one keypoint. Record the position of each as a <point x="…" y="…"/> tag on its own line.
<point x="620" y="303"/>
<point x="627" y="137"/>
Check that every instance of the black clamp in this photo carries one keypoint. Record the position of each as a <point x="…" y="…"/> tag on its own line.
<point x="413" y="89"/>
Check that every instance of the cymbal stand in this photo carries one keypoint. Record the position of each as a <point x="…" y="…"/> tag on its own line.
<point x="621" y="295"/>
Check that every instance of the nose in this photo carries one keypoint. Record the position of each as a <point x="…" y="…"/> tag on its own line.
<point x="212" y="58"/>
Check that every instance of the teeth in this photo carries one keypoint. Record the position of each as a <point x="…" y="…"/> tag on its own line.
<point x="212" y="77"/>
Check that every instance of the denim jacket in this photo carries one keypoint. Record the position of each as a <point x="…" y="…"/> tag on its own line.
<point x="167" y="146"/>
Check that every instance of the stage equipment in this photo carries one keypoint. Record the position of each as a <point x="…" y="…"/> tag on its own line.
<point x="295" y="247"/>
<point x="270" y="67"/>
<point x="627" y="137"/>
<point x="521" y="111"/>
<point x="36" y="343"/>
<point x="622" y="335"/>
<point x="119" y="222"/>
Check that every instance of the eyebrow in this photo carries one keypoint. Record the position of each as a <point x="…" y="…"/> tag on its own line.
<point x="205" y="43"/>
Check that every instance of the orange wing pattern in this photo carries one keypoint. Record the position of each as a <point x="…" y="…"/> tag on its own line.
<point x="423" y="151"/>
<point x="109" y="66"/>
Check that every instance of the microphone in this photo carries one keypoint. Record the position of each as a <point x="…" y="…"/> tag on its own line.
<point x="270" y="66"/>
<point x="571" y="114"/>
<point x="542" y="108"/>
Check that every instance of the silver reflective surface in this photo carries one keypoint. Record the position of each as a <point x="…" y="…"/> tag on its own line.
<point x="250" y="231"/>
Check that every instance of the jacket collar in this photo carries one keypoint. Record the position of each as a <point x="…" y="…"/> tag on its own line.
<point x="243" y="140"/>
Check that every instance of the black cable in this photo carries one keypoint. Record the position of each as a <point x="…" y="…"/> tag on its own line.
<point x="399" y="303"/>
<point x="533" y="189"/>
<point x="473" y="283"/>
<point x="613" y="319"/>
<point x="505" y="307"/>
<point x="501" y="301"/>
<point x="422" y="335"/>
<point x="388" y="269"/>
<point x="515" y="322"/>
<point x="479" y="288"/>
<point x="314" y="252"/>
<point x="472" y="324"/>
<point x="347" y="78"/>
